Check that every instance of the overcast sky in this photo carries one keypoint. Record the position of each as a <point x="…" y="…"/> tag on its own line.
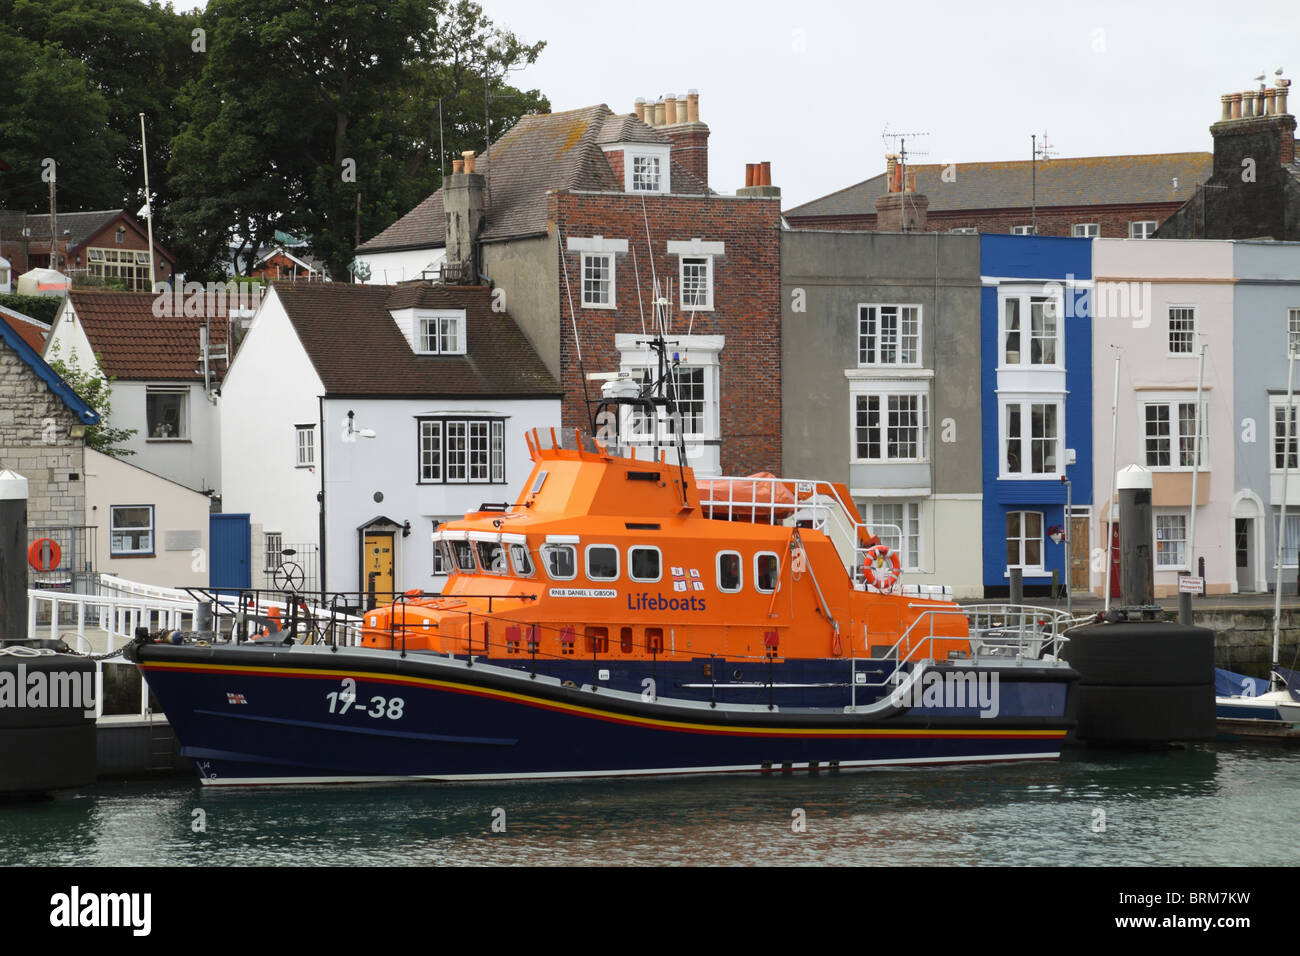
<point x="811" y="85"/>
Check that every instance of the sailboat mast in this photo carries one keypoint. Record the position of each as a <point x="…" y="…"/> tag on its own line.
<point x="1288" y="438"/>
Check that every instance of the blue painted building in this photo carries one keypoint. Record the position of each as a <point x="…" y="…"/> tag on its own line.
<point x="1036" y="396"/>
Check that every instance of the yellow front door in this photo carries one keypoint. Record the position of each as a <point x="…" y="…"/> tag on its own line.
<point x="377" y="565"/>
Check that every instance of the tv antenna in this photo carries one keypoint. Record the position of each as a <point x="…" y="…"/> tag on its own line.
<point x="896" y="143"/>
<point x="1044" y="152"/>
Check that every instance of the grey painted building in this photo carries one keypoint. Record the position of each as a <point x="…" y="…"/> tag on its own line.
<point x="1266" y="307"/>
<point x="881" y="387"/>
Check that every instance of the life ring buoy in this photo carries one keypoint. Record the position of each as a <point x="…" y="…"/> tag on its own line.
<point x="881" y="567"/>
<point x="44" y="554"/>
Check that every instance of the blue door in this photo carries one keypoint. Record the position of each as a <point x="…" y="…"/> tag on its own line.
<point x="231" y="540"/>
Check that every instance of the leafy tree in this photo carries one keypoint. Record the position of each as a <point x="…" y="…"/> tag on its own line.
<point x="323" y="119"/>
<point x="96" y="391"/>
<point x="131" y="58"/>
<point x="52" y="110"/>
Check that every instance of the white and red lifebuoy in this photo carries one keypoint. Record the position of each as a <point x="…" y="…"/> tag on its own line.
<point x="881" y="567"/>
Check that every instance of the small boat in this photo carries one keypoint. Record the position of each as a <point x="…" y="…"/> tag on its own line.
<point x="1239" y="697"/>
<point x="622" y="618"/>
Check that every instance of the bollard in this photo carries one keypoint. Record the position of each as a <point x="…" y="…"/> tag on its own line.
<point x="1184" y="604"/>
<point x="1017" y="585"/>
<point x="13" y="556"/>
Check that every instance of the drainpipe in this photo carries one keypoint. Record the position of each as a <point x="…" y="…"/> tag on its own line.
<point x="320" y="497"/>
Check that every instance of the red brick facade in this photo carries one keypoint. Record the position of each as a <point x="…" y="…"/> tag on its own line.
<point x="690" y="147"/>
<point x="1052" y="220"/>
<point x="746" y="304"/>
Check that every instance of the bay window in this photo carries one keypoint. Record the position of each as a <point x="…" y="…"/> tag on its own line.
<point x="891" y="424"/>
<point x="1171" y="540"/>
<point x="1170" y="434"/>
<point x="1031" y="439"/>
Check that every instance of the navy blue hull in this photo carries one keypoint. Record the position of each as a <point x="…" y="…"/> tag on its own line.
<point x="261" y="715"/>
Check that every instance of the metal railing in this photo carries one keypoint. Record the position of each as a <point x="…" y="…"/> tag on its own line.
<point x="75" y="618"/>
<point x="779" y="501"/>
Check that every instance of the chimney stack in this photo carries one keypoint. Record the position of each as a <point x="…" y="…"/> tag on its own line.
<point x="758" y="182"/>
<point x="463" y="208"/>
<point x="1254" y="124"/>
<point x="901" y="208"/>
<point x="688" y="136"/>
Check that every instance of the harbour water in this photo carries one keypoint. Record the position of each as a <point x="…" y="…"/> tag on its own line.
<point x="1209" y="805"/>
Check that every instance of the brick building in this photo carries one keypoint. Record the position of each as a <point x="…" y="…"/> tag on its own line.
<point x="572" y="216"/>
<point x="1125" y="197"/>
<point x="108" y="243"/>
<point x="1254" y="192"/>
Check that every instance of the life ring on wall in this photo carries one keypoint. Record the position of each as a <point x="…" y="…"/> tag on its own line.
<point x="881" y="567"/>
<point x="44" y="554"/>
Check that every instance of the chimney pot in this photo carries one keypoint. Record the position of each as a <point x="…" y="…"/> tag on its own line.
<point x="1270" y="104"/>
<point x="469" y="160"/>
<point x="457" y="166"/>
<point x="1236" y="105"/>
<point x="692" y="106"/>
<point x="1248" y="104"/>
<point x="1280" y="105"/>
<point x="765" y="174"/>
<point x="639" y="108"/>
<point x="660" y="112"/>
<point x="749" y="175"/>
<point x="1226" y="100"/>
<point x="891" y="164"/>
<point x="670" y="110"/>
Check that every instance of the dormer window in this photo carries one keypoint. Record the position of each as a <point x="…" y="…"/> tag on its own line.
<point x="646" y="174"/>
<point x="646" y="167"/>
<point x="440" y="333"/>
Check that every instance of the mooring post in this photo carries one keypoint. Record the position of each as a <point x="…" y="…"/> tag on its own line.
<point x="1017" y="576"/>
<point x="1184" y="603"/>
<point x="1136" y="534"/>
<point x="13" y="555"/>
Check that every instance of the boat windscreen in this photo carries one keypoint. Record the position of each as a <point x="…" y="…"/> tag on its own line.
<point x="462" y="553"/>
<point x="492" y="557"/>
<point x="523" y="564"/>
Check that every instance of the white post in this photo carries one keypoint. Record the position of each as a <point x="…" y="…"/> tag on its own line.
<point x="148" y="205"/>
<point x="1110" y="500"/>
<point x="1288" y="434"/>
<point x="1196" y="465"/>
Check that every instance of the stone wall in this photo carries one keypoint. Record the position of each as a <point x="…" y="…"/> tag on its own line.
<point x="1243" y="637"/>
<point x="35" y="441"/>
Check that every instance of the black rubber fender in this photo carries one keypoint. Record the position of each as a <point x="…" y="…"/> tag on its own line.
<point x="1144" y="715"/>
<point x="1154" y="654"/>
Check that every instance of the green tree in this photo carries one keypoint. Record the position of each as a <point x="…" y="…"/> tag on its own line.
<point x="52" y="110"/>
<point x="322" y="120"/>
<point x="96" y="391"/>
<point x="130" y="58"/>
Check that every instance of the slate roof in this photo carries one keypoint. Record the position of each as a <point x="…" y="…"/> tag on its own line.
<point x="33" y="332"/>
<point x="357" y="349"/>
<point x="133" y="344"/>
<point x="541" y="152"/>
<point x="1087" y="181"/>
<point x="79" y="226"/>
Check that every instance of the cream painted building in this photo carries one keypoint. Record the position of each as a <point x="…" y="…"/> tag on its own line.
<point x="1155" y="303"/>
<point x="148" y="529"/>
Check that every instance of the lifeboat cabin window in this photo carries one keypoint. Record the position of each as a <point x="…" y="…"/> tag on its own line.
<point x="767" y="571"/>
<point x="602" y="562"/>
<point x="522" y="562"/>
<point x="729" y="573"/>
<point x="492" y="557"/>
<point x="625" y="640"/>
<point x="462" y="553"/>
<point x="643" y="564"/>
<point x="560" y="561"/>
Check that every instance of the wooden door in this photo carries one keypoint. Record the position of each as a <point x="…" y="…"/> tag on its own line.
<point x="1079" y="556"/>
<point x="1114" y="560"/>
<point x="377" y="564"/>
